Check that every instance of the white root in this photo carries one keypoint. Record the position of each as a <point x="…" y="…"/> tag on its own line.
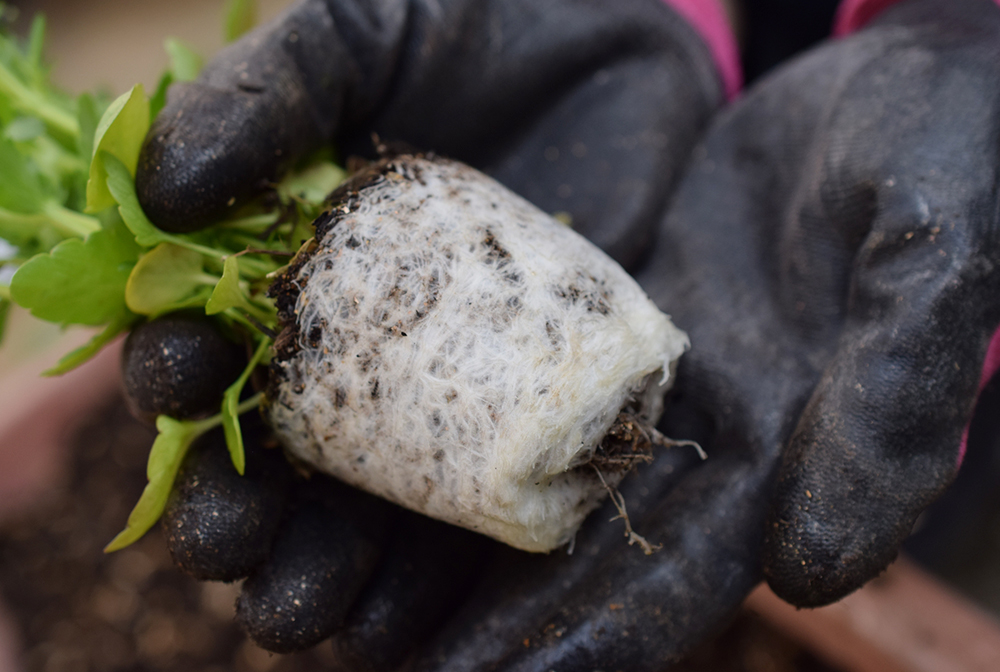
<point x="619" y="501"/>
<point x="451" y="348"/>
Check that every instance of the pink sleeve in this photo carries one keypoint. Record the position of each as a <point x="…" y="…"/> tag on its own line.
<point x="990" y="366"/>
<point x="708" y="18"/>
<point x="853" y="14"/>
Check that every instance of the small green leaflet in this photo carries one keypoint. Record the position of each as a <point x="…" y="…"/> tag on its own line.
<point x="230" y="414"/>
<point x="36" y="42"/>
<point x="24" y="129"/>
<point x="88" y="118"/>
<point x="172" y="443"/>
<point x="169" y="449"/>
<point x="241" y="16"/>
<point x="20" y="186"/>
<point x="120" y="133"/>
<point x="159" y="97"/>
<point x="228" y="293"/>
<point x="185" y="63"/>
<point x="23" y="192"/>
<point x="314" y="183"/>
<point x="79" y="281"/>
<point x="166" y="277"/>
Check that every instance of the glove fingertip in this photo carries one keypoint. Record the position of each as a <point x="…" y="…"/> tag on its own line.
<point x="211" y="149"/>
<point x="830" y="532"/>
<point x="218" y="524"/>
<point x="321" y="560"/>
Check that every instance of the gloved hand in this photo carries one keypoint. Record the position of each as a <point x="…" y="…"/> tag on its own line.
<point x="832" y="254"/>
<point x="842" y="221"/>
<point x="583" y="106"/>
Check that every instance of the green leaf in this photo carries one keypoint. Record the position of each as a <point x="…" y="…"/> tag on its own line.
<point x="172" y="443"/>
<point x="241" y="16"/>
<point x="159" y="98"/>
<point x="164" y="277"/>
<point x="314" y="183"/>
<point x="20" y="188"/>
<point x="230" y="412"/>
<point x="76" y="357"/>
<point x="24" y="129"/>
<point x="185" y="63"/>
<point x="121" y="185"/>
<point x="120" y="134"/>
<point x="87" y="117"/>
<point x="79" y="281"/>
<point x="228" y="293"/>
<point x="36" y="41"/>
<point x="230" y="409"/>
<point x="169" y="449"/>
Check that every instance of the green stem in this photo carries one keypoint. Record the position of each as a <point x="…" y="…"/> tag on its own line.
<point x="70" y="361"/>
<point x="252" y="224"/>
<point x="34" y="103"/>
<point x="239" y="318"/>
<point x="262" y="314"/>
<point x="207" y="279"/>
<point x="199" y="427"/>
<point x="195" y="247"/>
<point x="253" y="269"/>
<point x="69" y="221"/>
<point x="5" y="292"/>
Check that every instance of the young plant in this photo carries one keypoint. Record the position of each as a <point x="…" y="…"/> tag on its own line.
<point x="441" y="342"/>
<point x="84" y="252"/>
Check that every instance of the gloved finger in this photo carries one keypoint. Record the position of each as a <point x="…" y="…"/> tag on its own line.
<point x="179" y="366"/>
<point x="426" y="570"/>
<point x="588" y="109"/>
<point x="880" y="437"/>
<point x="327" y="547"/>
<point x="641" y="612"/>
<point x="262" y="104"/>
<point x="878" y="442"/>
<point x="218" y="524"/>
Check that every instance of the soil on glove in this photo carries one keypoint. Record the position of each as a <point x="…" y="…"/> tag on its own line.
<point x="80" y="610"/>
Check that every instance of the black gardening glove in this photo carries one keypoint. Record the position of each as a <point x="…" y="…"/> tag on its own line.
<point x="832" y="254"/>
<point x="584" y="107"/>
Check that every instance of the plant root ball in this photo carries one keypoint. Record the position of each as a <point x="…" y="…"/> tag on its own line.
<point x="178" y="365"/>
<point x="448" y="346"/>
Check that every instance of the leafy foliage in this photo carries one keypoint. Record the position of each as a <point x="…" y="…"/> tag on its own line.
<point x="48" y="284"/>
<point x="86" y="253"/>
<point x="120" y="134"/>
<point x="172" y="443"/>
